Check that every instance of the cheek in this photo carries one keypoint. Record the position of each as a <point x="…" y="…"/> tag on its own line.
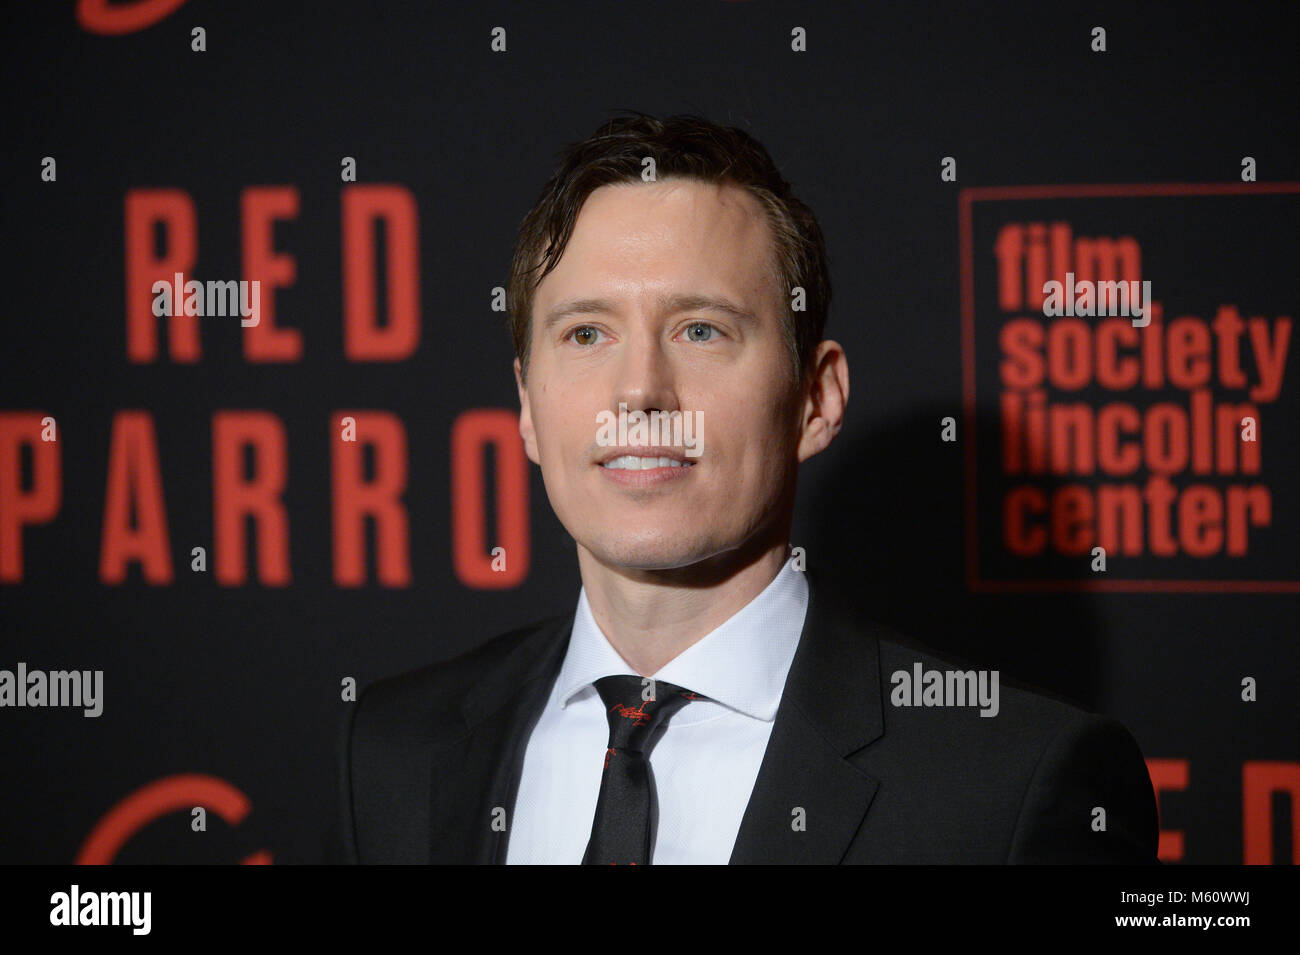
<point x="558" y="427"/>
<point x="757" y="428"/>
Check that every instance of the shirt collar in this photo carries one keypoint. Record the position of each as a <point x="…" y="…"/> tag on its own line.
<point x="742" y="664"/>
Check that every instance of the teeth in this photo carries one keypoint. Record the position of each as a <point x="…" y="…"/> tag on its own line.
<point x="629" y="462"/>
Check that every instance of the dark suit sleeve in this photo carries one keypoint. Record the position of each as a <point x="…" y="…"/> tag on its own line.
<point x="1093" y="761"/>
<point x="341" y="842"/>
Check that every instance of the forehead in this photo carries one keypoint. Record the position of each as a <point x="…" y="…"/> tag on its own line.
<point x="669" y="237"/>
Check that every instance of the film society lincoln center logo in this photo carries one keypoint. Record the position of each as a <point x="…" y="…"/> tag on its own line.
<point x="1129" y="416"/>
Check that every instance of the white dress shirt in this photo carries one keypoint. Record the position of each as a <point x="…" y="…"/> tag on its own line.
<point x="705" y="760"/>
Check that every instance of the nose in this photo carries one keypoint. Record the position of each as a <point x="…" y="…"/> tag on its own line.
<point x="645" y="379"/>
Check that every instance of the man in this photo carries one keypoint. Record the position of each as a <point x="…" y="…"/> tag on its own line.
<point x="706" y="702"/>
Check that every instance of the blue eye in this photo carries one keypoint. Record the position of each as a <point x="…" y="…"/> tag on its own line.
<point x="700" y="325"/>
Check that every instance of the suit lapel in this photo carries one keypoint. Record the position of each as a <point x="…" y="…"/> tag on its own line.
<point x="478" y="773"/>
<point x="831" y="708"/>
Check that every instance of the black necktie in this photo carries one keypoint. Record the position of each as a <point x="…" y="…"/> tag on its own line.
<point x="620" y="832"/>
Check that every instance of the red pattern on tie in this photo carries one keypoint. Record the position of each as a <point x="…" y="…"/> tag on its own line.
<point x="639" y="715"/>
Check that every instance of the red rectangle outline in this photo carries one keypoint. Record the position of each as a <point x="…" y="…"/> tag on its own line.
<point x="965" y="199"/>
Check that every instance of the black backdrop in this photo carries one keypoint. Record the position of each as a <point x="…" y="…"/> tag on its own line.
<point x="227" y="694"/>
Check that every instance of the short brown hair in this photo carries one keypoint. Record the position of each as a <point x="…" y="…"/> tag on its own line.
<point x="683" y="146"/>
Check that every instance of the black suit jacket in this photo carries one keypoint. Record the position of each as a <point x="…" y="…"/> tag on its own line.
<point x="429" y="758"/>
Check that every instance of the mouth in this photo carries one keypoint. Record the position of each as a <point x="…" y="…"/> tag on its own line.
<point x="644" y="458"/>
<point x="647" y="467"/>
<point x="633" y="462"/>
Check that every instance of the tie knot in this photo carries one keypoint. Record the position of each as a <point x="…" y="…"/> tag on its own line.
<point x="636" y="706"/>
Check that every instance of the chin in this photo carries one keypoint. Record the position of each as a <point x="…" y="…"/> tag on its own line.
<point x="649" y="550"/>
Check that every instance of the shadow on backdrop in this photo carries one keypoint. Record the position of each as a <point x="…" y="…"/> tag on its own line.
<point x="891" y="548"/>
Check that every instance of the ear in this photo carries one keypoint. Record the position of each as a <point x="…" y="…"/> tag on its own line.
<point x="526" y="418"/>
<point x="827" y="397"/>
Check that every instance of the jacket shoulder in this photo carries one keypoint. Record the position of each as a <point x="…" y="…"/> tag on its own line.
<point x="1029" y="708"/>
<point x="1027" y="776"/>
<point x="432" y="695"/>
<point x="1008" y="724"/>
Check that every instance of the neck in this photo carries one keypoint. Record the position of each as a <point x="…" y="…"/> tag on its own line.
<point x="650" y="617"/>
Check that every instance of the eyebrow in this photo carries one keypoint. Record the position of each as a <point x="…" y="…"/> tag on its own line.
<point x="668" y="303"/>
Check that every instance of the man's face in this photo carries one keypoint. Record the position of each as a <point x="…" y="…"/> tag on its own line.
<point x="637" y="311"/>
